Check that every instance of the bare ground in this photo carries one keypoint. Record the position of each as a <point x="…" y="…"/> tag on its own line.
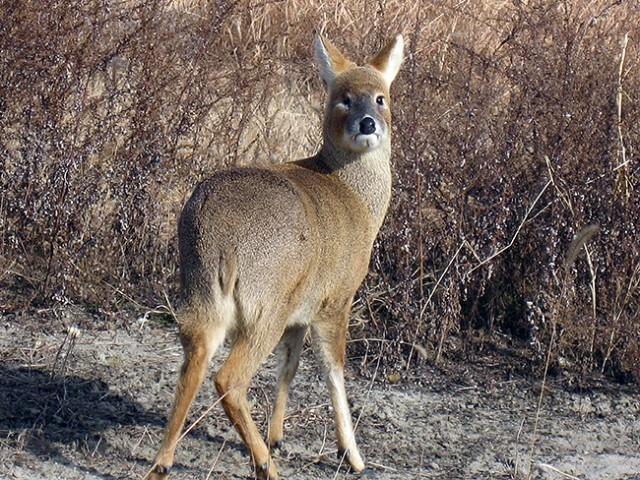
<point x="95" y="409"/>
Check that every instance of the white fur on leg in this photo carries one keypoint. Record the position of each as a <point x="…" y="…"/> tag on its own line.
<point x="343" y="418"/>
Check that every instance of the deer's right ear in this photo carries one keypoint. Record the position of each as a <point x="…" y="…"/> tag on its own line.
<point x="329" y="60"/>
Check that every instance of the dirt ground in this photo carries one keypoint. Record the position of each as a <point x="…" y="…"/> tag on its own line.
<point x="94" y="408"/>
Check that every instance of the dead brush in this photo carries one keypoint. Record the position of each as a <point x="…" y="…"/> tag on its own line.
<point x="110" y="113"/>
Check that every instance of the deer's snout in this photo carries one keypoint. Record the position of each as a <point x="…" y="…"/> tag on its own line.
<point x="367" y="126"/>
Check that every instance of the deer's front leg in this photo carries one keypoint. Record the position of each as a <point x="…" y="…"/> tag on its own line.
<point x="330" y="337"/>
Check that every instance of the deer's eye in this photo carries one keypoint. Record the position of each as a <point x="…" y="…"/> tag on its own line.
<point x="346" y="101"/>
<point x="380" y="99"/>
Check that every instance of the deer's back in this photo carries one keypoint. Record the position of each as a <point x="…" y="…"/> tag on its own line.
<point x="284" y="234"/>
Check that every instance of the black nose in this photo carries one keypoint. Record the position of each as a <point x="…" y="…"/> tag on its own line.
<point x="367" y="126"/>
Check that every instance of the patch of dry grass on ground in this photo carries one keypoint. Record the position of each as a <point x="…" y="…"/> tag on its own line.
<point x="515" y="128"/>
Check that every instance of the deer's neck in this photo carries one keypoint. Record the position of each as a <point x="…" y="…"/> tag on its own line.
<point x="368" y="175"/>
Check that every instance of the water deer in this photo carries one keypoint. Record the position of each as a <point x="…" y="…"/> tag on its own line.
<point x="269" y="253"/>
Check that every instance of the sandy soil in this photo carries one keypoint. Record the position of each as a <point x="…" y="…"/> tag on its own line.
<point x="95" y="409"/>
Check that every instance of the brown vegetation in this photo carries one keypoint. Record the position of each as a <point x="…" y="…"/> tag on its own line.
<point x="516" y="130"/>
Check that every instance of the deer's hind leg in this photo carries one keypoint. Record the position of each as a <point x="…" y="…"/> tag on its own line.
<point x="200" y="337"/>
<point x="250" y="349"/>
<point x="291" y="343"/>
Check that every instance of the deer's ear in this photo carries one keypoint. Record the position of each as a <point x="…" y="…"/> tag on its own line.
<point x="388" y="60"/>
<point x="329" y="60"/>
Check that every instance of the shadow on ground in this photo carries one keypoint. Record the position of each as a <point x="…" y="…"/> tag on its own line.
<point x="54" y="410"/>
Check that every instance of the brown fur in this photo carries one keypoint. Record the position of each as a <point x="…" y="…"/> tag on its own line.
<point x="267" y="253"/>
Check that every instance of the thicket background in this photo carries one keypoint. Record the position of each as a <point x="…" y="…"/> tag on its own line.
<point x="515" y="131"/>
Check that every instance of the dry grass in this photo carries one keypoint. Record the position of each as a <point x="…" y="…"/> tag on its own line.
<point x="110" y="112"/>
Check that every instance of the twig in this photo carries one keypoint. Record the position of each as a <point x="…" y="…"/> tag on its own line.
<point x="324" y="440"/>
<point x="560" y="472"/>
<point x="139" y="442"/>
<point x="540" y="398"/>
<point x="446" y="43"/>
<point x="420" y="237"/>
<point x="384" y="467"/>
<point x="169" y="306"/>
<point x="578" y="242"/>
<point x="70" y="342"/>
<point x="515" y="235"/>
<point x="120" y="292"/>
<point x="517" y="462"/>
<point x="592" y="271"/>
<point x="95" y="449"/>
<point x="206" y="412"/>
<point x="426" y="304"/>
<point x="563" y="196"/>
<point x="594" y="300"/>
<point x="191" y="427"/>
<point x="622" y="151"/>
<point x="634" y="283"/>
<point x="215" y="461"/>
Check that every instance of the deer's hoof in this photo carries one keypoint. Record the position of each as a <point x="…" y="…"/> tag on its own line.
<point x="160" y="472"/>
<point x="266" y="471"/>
<point x="352" y="458"/>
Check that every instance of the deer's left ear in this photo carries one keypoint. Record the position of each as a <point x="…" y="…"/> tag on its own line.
<point x="388" y="60"/>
